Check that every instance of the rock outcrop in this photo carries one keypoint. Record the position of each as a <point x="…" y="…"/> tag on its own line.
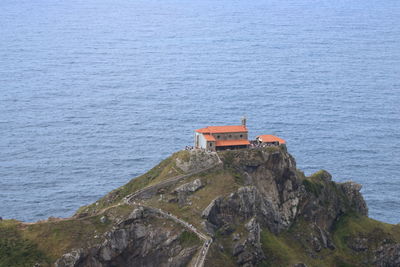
<point x="387" y="256"/>
<point x="189" y="187"/>
<point x="136" y="241"/>
<point x="278" y="194"/>
<point x="255" y="208"/>
<point x="249" y="252"/>
<point x="197" y="160"/>
<point x="242" y="205"/>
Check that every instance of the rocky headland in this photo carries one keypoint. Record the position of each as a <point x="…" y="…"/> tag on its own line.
<point x="249" y="207"/>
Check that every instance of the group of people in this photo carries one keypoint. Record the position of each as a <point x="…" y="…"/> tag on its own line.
<point x="205" y="248"/>
<point x="256" y="144"/>
<point x="189" y="147"/>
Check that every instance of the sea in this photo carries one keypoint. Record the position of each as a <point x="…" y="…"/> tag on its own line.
<point x="95" y="93"/>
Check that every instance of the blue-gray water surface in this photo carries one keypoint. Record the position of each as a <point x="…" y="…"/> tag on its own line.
<point x="94" y="93"/>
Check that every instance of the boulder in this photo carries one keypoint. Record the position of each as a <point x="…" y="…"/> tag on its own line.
<point x="189" y="187"/>
<point x="70" y="259"/>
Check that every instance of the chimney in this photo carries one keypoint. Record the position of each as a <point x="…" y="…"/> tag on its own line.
<point x="244" y="121"/>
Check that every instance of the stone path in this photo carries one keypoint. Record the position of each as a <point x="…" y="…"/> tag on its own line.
<point x="203" y="253"/>
<point x="171" y="180"/>
<point x="207" y="239"/>
<point x="130" y="199"/>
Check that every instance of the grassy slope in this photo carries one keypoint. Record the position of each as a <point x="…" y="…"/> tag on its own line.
<point x="289" y="247"/>
<point x="283" y="249"/>
<point x="25" y="245"/>
<point x="216" y="183"/>
<point x="43" y="242"/>
<point x="16" y="250"/>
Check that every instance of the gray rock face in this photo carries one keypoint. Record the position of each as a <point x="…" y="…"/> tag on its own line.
<point x="212" y="208"/>
<point x="358" y="244"/>
<point x="352" y="191"/>
<point x="274" y="196"/>
<point x="246" y="203"/>
<point x="103" y="219"/>
<point x="387" y="256"/>
<point x="189" y="187"/>
<point x="182" y="192"/>
<point x="337" y="199"/>
<point x="134" y="242"/>
<point x="253" y="244"/>
<point x="73" y="258"/>
<point x="198" y="159"/>
<point x="137" y="213"/>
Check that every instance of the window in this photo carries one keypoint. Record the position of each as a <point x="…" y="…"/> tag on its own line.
<point x="241" y="135"/>
<point x="210" y="144"/>
<point x="218" y="136"/>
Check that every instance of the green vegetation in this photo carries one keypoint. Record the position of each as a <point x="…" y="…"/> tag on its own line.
<point x="319" y="175"/>
<point x="239" y="180"/>
<point x="291" y="246"/>
<point x="223" y="257"/>
<point x="16" y="250"/>
<point x="316" y="182"/>
<point x="184" y="155"/>
<point x="57" y="237"/>
<point x="216" y="257"/>
<point x="313" y="187"/>
<point x="228" y="158"/>
<point x="188" y="239"/>
<point x="278" y="252"/>
<point x="217" y="182"/>
<point x="354" y="225"/>
<point x="272" y="149"/>
<point x="44" y="242"/>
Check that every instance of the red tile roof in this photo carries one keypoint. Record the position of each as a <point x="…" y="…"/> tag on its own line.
<point x="223" y="129"/>
<point x="232" y="143"/>
<point x="267" y="138"/>
<point x="209" y="137"/>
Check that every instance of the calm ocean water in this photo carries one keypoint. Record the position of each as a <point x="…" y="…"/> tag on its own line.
<point x="93" y="93"/>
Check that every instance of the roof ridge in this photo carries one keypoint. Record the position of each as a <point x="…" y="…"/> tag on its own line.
<point x="223" y="129"/>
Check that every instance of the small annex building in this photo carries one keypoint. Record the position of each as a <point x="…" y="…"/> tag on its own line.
<point x="216" y="138"/>
<point x="270" y="140"/>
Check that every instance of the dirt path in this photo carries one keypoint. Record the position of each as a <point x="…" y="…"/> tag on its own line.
<point x="207" y="240"/>
<point x="129" y="198"/>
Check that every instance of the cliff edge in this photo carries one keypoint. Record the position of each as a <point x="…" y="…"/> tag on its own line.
<point x="249" y="207"/>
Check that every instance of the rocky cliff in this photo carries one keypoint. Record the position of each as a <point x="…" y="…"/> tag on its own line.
<point x="249" y="207"/>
